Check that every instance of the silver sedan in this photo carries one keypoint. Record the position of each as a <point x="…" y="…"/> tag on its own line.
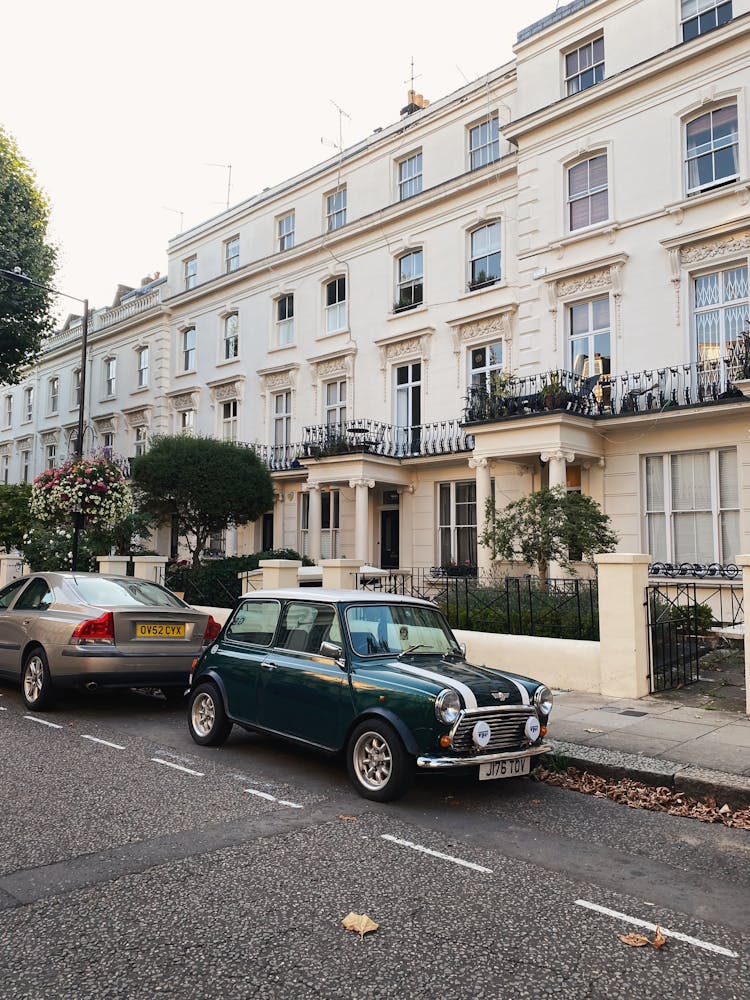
<point x="84" y="629"/>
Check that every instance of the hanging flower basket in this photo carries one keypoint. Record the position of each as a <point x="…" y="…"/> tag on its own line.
<point x="95" y="488"/>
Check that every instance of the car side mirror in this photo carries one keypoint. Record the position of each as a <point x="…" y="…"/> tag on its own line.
<point x="462" y="647"/>
<point x="331" y="649"/>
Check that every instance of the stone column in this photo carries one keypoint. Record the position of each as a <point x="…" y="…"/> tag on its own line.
<point x="361" y="489"/>
<point x="314" y="520"/>
<point x="113" y="565"/>
<point x="150" y="568"/>
<point x="744" y="562"/>
<point x="481" y="468"/>
<point x="623" y="624"/>
<point x="279" y="574"/>
<point x="338" y="574"/>
<point x="557" y="476"/>
<point x="231" y="543"/>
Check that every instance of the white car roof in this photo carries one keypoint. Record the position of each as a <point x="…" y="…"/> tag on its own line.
<point x="328" y="594"/>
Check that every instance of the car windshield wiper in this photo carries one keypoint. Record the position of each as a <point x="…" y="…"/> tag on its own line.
<point x="410" y="649"/>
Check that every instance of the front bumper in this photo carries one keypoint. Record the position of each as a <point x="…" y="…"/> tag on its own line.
<point x="443" y="763"/>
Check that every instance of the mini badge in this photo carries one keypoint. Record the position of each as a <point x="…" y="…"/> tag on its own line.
<point x="532" y="728"/>
<point x="481" y="734"/>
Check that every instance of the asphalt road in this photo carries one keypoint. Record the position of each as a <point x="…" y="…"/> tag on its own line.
<point x="136" y="864"/>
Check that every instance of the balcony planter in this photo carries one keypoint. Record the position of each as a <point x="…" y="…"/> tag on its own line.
<point x="460" y="571"/>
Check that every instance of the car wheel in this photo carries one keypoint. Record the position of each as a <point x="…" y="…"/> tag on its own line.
<point x="377" y="761"/>
<point x="36" y="683"/>
<point x="207" y="720"/>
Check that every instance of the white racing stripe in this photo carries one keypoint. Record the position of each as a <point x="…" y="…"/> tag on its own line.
<point x="177" y="767"/>
<point x="272" y="798"/>
<point x="674" y="935"/>
<point x="466" y="693"/>
<point x="42" y="722"/>
<point x="436" y="854"/>
<point x="524" y="693"/>
<point x="106" y="743"/>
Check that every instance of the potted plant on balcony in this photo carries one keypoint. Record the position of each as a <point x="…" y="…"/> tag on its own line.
<point x="553" y="392"/>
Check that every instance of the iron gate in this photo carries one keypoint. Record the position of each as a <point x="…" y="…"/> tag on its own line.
<point x="674" y="627"/>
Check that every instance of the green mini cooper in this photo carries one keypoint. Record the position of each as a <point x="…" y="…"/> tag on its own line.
<point x="378" y="676"/>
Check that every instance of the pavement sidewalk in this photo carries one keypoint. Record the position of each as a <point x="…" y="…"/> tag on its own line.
<point x="657" y="740"/>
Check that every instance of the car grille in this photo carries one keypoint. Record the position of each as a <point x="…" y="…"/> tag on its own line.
<point x="506" y="724"/>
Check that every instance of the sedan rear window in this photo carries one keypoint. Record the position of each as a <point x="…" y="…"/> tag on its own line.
<point x="104" y="593"/>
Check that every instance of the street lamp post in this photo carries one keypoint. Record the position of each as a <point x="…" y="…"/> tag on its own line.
<point x="17" y="275"/>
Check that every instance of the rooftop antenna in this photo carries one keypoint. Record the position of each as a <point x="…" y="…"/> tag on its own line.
<point x="340" y="144"/>
<point x="227" y="167"/>
<point x="177" y="212"/>
<point x="412" y="78"/>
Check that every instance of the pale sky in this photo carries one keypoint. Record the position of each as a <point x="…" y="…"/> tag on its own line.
<point x="119" y="108"/>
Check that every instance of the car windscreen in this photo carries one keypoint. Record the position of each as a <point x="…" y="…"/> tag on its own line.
<point x="377" y="629"/>
<point x="108" y="593"/>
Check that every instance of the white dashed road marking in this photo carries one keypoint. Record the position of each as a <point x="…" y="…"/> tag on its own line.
<point x="436" y="854"/>
<point x="42" y="722"/>
<point x="106" y="743"/>
<point x="177" y="767"/>
<point x="673" y="935"/>
<point x="272" y="798"/>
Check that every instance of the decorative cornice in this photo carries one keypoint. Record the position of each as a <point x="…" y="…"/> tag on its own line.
<point x="713" y="249"/>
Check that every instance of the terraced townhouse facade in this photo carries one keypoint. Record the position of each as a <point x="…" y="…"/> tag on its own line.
<point x="384" y="325"/>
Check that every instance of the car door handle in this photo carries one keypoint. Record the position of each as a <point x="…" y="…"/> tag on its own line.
<point x="269" y="665"/>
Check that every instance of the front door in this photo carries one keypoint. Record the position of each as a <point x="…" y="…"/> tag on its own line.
<point x="389" y="550"/>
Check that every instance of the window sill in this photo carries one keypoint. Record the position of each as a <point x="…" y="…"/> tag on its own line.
<point x="282" y="347"/>
<point x="409" y="311"/>
<point x="188" y="371"/>
<point x="486" y="286"/>
<point x="333" y="333"/>
<point x="739" y="188"/>
<point x="139" y="389"/>
<point x="227" y="361"/>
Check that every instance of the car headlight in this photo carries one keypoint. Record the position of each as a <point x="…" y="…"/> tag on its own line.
<point x="543" y="699"/>
<point x="447" y="706"/>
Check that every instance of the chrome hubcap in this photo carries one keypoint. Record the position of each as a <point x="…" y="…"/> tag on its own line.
<point x="33" y="679"/>
<point x="203" y="714"/>
<point x="372" y="760"/>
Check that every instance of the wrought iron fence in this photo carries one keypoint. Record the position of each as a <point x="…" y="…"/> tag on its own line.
<point x="373" y="437"/>
<point x="217" y="587"/>
<point x="607" y="394"/>
<point x="701" y="571"/>
<point x="566" y="609"/>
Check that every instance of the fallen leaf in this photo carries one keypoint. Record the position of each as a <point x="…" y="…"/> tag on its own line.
<point x="347" y="817"/>
<point x="634" y="940"/>
<point x="535" y="802"/>
<point x="725" y="810"/>
<point x="659" y="939"/>
<point x="360" y="923"/>
<point x="597" y="731"/>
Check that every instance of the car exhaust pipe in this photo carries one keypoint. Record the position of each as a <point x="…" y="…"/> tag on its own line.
<point x="92" y="686"/>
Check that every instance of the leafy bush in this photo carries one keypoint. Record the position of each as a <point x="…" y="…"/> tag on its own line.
<point x="216" y="582"/>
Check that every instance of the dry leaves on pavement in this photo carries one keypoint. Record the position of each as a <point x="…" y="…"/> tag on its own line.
<point x="640" y="940"/>
<point x="639" y="796"/>
<point x="360" y="923"/>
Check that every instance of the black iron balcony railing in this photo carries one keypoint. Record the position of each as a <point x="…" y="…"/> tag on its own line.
<point x="606" y="395"/>
<point x="369" y="437"/>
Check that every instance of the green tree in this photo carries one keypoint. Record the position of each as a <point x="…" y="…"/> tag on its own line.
<point x="24" y="309"/>
<point x="15" y="516"/>
<point x="204" y="483"/>
<point x="548" y="526"/>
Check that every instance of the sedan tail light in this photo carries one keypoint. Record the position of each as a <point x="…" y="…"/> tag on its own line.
<point x="212" y="630"/>
<point x="101" y="629"/>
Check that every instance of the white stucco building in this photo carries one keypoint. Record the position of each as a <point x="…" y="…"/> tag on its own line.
<point x="381" y="324"/>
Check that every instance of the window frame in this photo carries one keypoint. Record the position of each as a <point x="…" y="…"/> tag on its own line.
<point x="482" y="374"/>
<point x="284" y="324"/>
<point x="140" y="440"/>
<point x="285" y="233"/>
<point x="338" y="407"/>
<point x="447" y="532"/>
<point x="409" y="184"/>
<point x="338" y="309"/>
<point x="483" y="152"/>
<point x="231" y="254"/>
<point x="716" y="509"/>
<point x="50" y="456"/>
<point x="53" y="395"/>
<point x="589" y="336"/>
<point x="336" y="213"/>
<point x="330" y="523"/>
<point x="410" y="283"/>
<point x="231" y="340"/>
<point x="713" y="151"/>
<point x="8" y="410"/>
<point x="190" y="272"/>
<point x="719" y="7"/>
<point x="27" y="413"/>
<point x="141" y="368"/>
<point x="110" y="377"/>
<point x="592" y="67"/>
<point x="188" y="349"/>
<point x="491" y="252"/>
<point x="230" y="420"/>
<point x="590" y="195"/>
<point x="187" y="421"/>
<point x="281" y="418"/>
